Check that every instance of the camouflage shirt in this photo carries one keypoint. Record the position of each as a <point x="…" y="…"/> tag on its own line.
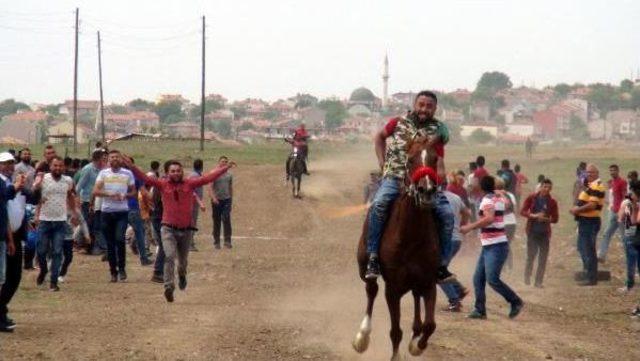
<point x="402" y="130"/>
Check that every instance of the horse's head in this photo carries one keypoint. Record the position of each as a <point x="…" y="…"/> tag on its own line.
<point x="421" y="165"/>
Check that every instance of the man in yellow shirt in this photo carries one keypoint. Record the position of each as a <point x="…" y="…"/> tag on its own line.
<point x="587" y="212"/>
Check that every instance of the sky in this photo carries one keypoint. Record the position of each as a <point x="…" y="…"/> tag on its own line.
<point x="275" y="49"/>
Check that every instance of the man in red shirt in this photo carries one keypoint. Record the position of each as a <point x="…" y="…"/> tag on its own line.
<point x="480" y="172"/>
<point x="617" y="191"/>
<point x="177" y="202"/>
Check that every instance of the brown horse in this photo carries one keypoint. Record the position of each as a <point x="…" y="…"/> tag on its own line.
<point x="409" y="256"/>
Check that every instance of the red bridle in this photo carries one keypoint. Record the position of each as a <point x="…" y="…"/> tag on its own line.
<point x="424" y="171"/>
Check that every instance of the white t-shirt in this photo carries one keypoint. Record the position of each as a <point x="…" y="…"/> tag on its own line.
<point x="115" y="183"/>
<point x="510" y="216"/>
<point x="54" y="198"/>
<point x="493" y="233"/>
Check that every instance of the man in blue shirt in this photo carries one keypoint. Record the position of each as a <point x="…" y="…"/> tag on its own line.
<point x="84" y="189"/>
<point x="135" y="221"/>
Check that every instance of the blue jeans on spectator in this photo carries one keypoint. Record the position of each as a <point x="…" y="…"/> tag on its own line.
<point x="51" y="241"/>
<point x="453" y="290"/>
<point x="114" y="226"/>
<point x="388" y="192"/>
<point x="612" y="226"/>
<point x="3" y="262"/>
<point x="135" y="220"/>
<point x="633" y="260"/>
<point x="158" y="266"/>
<point x="588" y="228"/>
<point x="490" y="263"/>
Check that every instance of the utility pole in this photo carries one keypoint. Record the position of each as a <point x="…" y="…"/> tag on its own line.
<point x="75" y="91"/>
<point x="101" y="97"/>
<point x="202" y="100"/>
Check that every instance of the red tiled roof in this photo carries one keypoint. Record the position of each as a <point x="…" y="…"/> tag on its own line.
<point x="135" y="116"/>
<point x="27" y="116"/>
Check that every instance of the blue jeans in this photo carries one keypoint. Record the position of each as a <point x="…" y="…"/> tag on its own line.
<point x="3" y="262"/>
<point x="612" y="226"/>
<point x="51" y="241"/>
<point x="588" y="228"/>
<point x="388" y="192"/>
<point x="135" y="220"/>
<point x="158" y="266"/>
<point x="490" y="263"/>
<point x="114" y="226"/>
<point x="453" y="290"/>
<point x="633" y="260"/>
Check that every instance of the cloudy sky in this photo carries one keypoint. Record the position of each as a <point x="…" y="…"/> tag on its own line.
<point x="273" y="49"/>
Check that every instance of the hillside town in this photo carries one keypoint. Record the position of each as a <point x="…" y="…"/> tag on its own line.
<point x="495" y="111"/>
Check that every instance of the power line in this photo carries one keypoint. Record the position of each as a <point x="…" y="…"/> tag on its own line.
<point x="119" y="25"/>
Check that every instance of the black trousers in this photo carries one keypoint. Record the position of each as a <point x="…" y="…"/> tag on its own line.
<point x="14" y="271"/>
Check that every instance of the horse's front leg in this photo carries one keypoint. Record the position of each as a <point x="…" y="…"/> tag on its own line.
<point x="393" y="302"/>
<point x="414" y="350"/>
<point x="361" y="341"/>
<point x="430" y="317"/>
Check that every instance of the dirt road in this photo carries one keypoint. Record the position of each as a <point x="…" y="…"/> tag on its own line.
<point x="289" y="291"/>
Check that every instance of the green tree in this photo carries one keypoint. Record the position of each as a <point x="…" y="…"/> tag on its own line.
<point x="304" y="100"/>
<point x="223" y="128"/>
<point x="605" y="97"/>
<point x="169" y="112"/>
<point x="562" y="90"/>
<point x="480" y="136"/>
<point x="140" y="104"/>
<point x="10" y="106"/>
<point x="210" y="105"/>
<point x="246" y="126"/>
<point x="577" y="128"/>
<point x="118" y="109"/>
<point x="634" y="102"/>
<point x="52" y="109"/>
<point x="494" y="81"/>
<point x="626" y="86"/>
<point x="336" y="113"/>
<point x="239" y="112"/>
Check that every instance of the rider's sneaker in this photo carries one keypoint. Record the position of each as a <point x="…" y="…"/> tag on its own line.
<point x="444" y="276"/>
<point x="373" y="269"/>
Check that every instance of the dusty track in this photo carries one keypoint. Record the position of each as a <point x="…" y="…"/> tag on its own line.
<point x="290" y="291"/>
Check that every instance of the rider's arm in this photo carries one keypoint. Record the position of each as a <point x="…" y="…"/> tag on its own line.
<point x="380" y="141"/>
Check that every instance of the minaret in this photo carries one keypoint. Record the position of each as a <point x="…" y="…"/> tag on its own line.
<point x="385" y="82"/>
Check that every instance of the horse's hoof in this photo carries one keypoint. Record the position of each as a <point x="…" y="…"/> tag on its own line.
<point x="397" y="357"/>
<point x="414" y="347"/>
<point x="361" y="342"/>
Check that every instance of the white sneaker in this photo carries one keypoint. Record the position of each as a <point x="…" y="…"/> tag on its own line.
<point x="623" y="290"/>
<point x="60" y="279"/>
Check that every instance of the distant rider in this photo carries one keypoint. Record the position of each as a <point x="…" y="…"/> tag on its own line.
<point x="299" y="141"/>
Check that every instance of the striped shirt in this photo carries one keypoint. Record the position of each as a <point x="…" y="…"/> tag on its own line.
<point x="493" y="233"/>
<point x="595" y="193"/>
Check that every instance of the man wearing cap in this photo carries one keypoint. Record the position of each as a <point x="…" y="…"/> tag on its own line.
<point x="16" y="211"/>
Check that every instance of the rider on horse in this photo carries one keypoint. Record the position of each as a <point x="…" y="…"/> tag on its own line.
<point x="299" y="141"/>
<point x="393" y="159"/>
